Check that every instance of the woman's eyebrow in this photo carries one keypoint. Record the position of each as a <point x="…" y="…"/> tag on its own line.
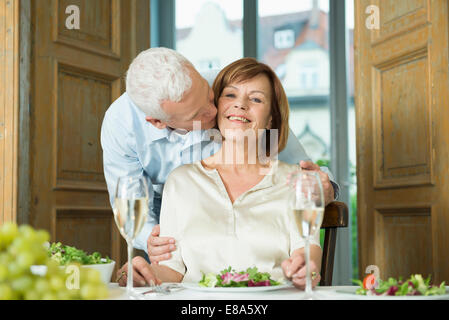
<point x="254" y="91"/>
<point x="258" y="91"/>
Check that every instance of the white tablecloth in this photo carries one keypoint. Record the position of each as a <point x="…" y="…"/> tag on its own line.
<point x="323" y="293"/>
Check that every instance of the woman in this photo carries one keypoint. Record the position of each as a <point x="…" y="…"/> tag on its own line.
<point x="236" y="201"/>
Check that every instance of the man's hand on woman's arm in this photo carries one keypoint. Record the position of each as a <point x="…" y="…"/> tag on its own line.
<point x="295" y="267"/>
<point x="159" y="248"/>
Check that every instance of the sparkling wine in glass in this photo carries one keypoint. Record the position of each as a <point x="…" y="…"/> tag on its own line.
<point x="130" y="213"/>
<point x="307" y="208"/>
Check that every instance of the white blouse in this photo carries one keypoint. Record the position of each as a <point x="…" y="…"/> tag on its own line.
<point x="212" y="233"/>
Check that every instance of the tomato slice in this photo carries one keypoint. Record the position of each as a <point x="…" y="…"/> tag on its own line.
<point x="369" y="282"/>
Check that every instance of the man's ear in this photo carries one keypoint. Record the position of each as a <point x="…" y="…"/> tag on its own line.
<point x="155" y="122"/>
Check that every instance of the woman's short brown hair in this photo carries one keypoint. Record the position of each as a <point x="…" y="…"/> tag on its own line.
<point x="247" y="69"/>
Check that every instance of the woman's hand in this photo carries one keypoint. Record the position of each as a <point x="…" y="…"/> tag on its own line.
<point x="142" y="274"/>
<point x="295" y="270"/>
<point x="159" y="248"/>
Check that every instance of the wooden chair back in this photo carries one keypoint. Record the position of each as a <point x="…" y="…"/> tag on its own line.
<point x="335" y="216"/>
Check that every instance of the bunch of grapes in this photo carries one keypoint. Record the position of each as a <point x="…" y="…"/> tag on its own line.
<point x="23" y="247"/>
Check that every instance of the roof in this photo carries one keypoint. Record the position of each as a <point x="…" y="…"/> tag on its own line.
<point x="306" y="35"/>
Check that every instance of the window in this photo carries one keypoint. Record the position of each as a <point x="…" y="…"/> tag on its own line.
<point x="352" y="134"/>
<point x="209" y="33"/>
<point x="297" y="39"/>
<point x="309" y="79"/>
<point x="301" y="52"/>
<point x="284" y="39"/>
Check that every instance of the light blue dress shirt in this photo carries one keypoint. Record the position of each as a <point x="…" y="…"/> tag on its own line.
<point x="134" y="147"/>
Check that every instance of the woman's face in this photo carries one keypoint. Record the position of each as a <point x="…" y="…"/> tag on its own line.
<point x="245" y="105"/>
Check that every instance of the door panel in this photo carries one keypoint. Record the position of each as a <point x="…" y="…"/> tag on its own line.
<point x="402" y="139"/>
<point x="77" y="74"/>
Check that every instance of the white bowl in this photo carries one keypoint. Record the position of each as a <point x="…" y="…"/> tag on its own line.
<point x="104" y="269"/>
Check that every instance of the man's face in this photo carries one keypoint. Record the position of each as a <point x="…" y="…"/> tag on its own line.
<point x="197" y="104"/>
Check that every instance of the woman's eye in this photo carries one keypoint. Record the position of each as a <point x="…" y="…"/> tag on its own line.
<point x="257" y="100"/>
<point x="230" y="95"/>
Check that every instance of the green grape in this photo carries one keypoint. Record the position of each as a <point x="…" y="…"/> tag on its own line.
<point x="52" y="267"/>
<point x="25" y="260"/>
<point x="42" y="236"/>
<point x="22" y="284"/>
<point x="3" y="272"/>
<point x="19" y="245"/>
<point x="64" y="295"/>
<point x="88" y="292"/>
<point x="10" y="232"/>
<point x="2" y="241"/>
<point x="40" y="257"/>
<point x="49" y="296"/>
<point x="14" y="270"/>
<point x="41" y="286"/>
<point x="32" y="295"/>
<point x="27" y="232"/>
<point x="5" y="259"/>
<point x="6" y="292"/>
<point x="92" y="276"/>
<point x="56" y="283"/>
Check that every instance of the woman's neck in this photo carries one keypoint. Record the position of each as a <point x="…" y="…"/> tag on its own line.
<point x="237" y="157"/>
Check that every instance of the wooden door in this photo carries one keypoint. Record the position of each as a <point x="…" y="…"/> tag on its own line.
<point x="76" y="75"/>
<point x="402" y="117"/>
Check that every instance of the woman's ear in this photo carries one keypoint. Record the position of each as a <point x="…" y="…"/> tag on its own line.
<point x="270" y="123"/>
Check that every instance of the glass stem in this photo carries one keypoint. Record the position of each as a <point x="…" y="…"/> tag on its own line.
<point x="129" y="283"/>
<point x="308" y="276"/>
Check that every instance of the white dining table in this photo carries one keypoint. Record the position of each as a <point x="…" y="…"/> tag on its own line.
<point x="290" y="293"/>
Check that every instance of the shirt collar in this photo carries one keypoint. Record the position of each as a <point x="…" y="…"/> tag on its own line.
<point x="173" y="135"/>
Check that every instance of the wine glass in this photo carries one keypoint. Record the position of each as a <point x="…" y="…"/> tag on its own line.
<point x="130" y="213"/>
<point x="307" y="208"/>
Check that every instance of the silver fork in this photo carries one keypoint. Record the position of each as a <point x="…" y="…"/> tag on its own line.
<point x="158" y="289"/>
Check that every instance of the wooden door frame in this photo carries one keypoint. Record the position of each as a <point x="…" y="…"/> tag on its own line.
<point x="9" y="104"/>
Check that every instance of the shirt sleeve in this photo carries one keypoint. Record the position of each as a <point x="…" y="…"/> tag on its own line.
<point x="294" y="153"/>
<point x="119" y="160"/>
<point x="170" y="226"/>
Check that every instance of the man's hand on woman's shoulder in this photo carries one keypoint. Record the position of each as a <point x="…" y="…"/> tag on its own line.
<point x="328" y="188"/>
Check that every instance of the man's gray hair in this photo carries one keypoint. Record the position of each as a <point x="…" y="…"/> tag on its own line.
<point x="155" y="75"/>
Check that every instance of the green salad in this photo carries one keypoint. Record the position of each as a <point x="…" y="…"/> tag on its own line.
<point x="414" y="286"/>
<point x="230" y="278"/>
<point x="66" y="254"/>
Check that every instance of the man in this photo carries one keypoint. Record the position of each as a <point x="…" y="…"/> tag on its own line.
<point x="149" y="131"/>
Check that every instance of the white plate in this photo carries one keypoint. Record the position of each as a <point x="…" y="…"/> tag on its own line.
<point x="197" y="287"/>
<point x="351" y="292"/>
